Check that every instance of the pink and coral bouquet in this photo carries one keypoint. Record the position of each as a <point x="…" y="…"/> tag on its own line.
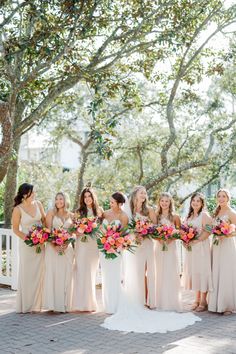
<point x="188" y="233"/>
<point x="142" y="228"/>
<point x="62" y="238"/>
<point x="84" y="227"/>
<point x="165" y="233"/>
<point x="222" y="228"/>
<point x="37" y="236"/>
<point x="114" y="240"/>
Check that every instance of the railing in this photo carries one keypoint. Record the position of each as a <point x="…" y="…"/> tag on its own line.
<point x="8" y="258"/>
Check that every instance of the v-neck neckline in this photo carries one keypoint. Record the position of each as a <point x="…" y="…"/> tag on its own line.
<point x="29" y="213"/>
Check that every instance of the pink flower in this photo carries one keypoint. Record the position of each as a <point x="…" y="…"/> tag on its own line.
<point x="35" y="240"/>
<point x="89" y="229"/>
<point x="107" y="246"/>
<point x="109" y="233"/>
<point x="144" y="232"/>
<point x="116" y="235"/>
<point x="59" y="241"/>
<point x="45" y="236"/>
<point x="111" y="250"/>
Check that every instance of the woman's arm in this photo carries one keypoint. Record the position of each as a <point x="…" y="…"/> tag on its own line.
<point x="124" y="220"/>
<point x="16" y="218"/>
<point x="206" y="220"/>
<point x="49" y="218"/>
<point x="43" y="215"/>
<point x="152" y="215"/>
<point x="177" y="221"/>
<point x="233" y="217"/>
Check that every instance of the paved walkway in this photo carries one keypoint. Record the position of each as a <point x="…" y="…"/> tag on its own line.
<point x="81" y="333"/>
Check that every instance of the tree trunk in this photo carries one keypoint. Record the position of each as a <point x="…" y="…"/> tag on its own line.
<point x="6" y="138"/>
<point x="80" y="182"/>
<point x="11" y="184"/>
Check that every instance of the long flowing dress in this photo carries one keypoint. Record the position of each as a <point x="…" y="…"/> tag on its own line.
<point x="145" y="266"/>
<point x="223" y="296"/>
<point x="197" y="274"/>
<point x="168" y="295"/>
<point x="57" y="294"/>
<point x="31" y="268"/>
<point x="86" y="266"/>
<point x="132" y="316"/>
<point x="111" y="272"/>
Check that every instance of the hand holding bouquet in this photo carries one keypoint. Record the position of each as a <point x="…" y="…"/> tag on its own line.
<point x="221" y="229"/>
<point x="37" y="236"/>
<point x="62" y="238"/>
<point x="84" y="227"/>
<point x="165" y="233"/>
<point x="188" y="233"/>
<point x="142" y="228"/>
<point x="114" y="240"/>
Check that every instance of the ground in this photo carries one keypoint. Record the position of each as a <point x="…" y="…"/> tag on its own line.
<point x="82" y="334"/>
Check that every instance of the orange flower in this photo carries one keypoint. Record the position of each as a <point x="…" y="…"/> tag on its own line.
<point x="103" y="240"/>
<point x="190" y="235"/>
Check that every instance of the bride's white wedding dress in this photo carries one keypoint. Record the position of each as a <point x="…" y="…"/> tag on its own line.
<point x="132" y="316"/>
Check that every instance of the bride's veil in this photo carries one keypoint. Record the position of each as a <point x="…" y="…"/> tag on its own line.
<point x="126" y="208"/>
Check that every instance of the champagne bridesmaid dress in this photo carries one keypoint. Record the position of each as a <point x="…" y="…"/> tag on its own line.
<point x="168" y="295"/>
<point x="86" y="266"/>
<point x="57" y="294"/>
<point x="223" y="296"/>
<point x="111" y="270"/>
<point x="145" y="265"/>
<point x="31" y="268"/>
<point x="197" y="266"/>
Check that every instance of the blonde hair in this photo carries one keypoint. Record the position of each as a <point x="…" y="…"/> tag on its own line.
<point x="133" y="201"/>
<point x="217" y="210"/>
<point x="171" y="207"/>
<point x="66" y="201"/>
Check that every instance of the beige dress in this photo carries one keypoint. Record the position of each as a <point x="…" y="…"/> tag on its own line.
<point x="223" y="296"/>
<point x="58" y="274"/>
<point x="167" y="276"/>
<point x="145" y="265"/>
<point x="197" y="265"/>
<point x="86" y="266"/>
<point x="31" y="268"/>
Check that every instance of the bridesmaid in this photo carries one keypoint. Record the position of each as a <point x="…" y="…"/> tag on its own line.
<point x="58" y="268"/>
<point x="26" y="213"/>
<point x="197" y="268"/>
<point x="86" y="257"/>
<point x="111" y="268"/>
<point x="223" y="297"/>
<point x="167" y="272"/>
<point x="144" y="254"/>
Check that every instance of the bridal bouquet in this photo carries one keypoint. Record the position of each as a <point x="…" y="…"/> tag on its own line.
<point x="62" y="238"/>
<point x="37" y="236"/>
<point x="188" y="233"/>
<point x="165" y="233"/>
<point x="114" y="240"/>
<point x="142" y="228"/>
<point x="222" y="228"/>
<point x="84" y="227"/>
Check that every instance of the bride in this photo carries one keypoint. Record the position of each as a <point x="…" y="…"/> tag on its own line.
<point x="131" y="315"/>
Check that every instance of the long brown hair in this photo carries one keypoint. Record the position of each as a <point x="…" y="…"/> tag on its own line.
<point x="217" y="209"/>
<point x="171" y="207"/>
<point x="83" y="209"/>
<point x="133" y="201"/>
<point x="202" y="198"/>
